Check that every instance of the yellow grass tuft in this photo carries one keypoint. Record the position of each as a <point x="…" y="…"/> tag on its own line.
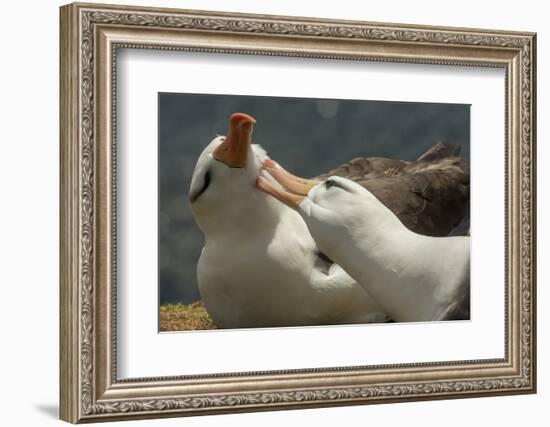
<point x="185" y="317"/>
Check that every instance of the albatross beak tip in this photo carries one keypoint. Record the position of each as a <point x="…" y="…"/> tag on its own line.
<point x="239" y="117"/>
<point x="233" y="151"/>
<point x="289" y="199"/>
<point x="269" y="164"/>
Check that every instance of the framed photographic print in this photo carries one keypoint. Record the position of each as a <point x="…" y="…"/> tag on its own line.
<point x="265" y="212"/>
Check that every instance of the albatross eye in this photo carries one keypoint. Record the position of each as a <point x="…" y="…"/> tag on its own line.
<point x="206" y="183"/>
<point x="329" y="183"/>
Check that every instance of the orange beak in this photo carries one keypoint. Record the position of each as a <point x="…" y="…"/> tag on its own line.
<point x="299" y="187"/>
<point x="233" y="151"/>
<point x="287" y="198"/>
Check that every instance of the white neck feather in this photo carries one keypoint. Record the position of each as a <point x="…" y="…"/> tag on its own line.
<point x="254" y="213"/>
<point x="413" y="277"/>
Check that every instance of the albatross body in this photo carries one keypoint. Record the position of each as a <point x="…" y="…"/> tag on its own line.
<point x="413" y="277"/>
<point x="260" y="266"/>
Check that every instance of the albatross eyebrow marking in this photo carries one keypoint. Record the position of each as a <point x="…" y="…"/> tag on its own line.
<point x="332" y="183"/>
<point x="323" y="263"/>
<point x="207" y="178"/>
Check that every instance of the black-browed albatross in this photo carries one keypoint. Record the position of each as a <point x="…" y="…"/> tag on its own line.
<point x="260" y="265"/>
<point x="412" y="276"/>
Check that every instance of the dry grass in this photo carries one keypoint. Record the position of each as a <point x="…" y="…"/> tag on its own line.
<point x="185" y="317"/>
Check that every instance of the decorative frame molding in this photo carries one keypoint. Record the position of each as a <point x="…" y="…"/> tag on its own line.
<point x="90" y="36"/>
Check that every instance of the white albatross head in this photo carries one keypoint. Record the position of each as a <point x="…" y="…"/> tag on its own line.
<point x="334" y="209"/>
<point x="222" y="193"/>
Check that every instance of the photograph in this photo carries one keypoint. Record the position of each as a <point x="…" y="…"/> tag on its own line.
<point x="264" y="212"/>
<point x="279" y="211"/>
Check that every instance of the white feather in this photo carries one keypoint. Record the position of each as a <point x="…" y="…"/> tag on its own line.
<point x="258" y="264"/>
<point x="413" y="277"/>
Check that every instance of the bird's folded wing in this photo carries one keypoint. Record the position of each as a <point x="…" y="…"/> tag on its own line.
<point x="429" y="195"/>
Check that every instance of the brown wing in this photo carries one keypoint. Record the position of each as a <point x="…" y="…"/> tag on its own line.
<point x="429" y="195"/>
<point x="365" y="168"/>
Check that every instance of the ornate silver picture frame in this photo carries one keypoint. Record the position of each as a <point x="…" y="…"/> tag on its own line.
<point x="91" y="390"/>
